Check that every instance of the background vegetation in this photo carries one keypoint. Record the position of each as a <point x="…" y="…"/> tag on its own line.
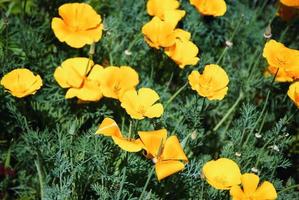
<point x="48" y="143"/>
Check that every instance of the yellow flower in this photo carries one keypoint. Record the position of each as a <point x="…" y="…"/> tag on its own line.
<point x="183" y="52"/>
<point x="21" y="82"/>
<point x="293" y="93"/>
<point x="79" y="25"/>
<point x="167" y="154"/>
<point x="215" y="8"/>
<point x="158" y="33"/>
<point x="212" y="83"/>
<point x="290" y="3"/>
<point x="117" y="80"/>
<point x="142" y="104"/>
<point x="282" y="59"/>
<point x="82" y="78"/>
<point x="108" y="127"/>
<point x="265" y="191"/>
<point x="222" y="174"/>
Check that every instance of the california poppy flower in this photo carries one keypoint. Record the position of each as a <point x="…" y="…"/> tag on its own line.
<point x="116" y="81"/>
<point x="214" y="8"/>
<point x="21" y="82"/>
<point x="166" y="153"/>
<point x="142" y="104"/>
<point x="82" y="78"/>
<point x="283" y="61"/>
<point x="212" y="83"/>
<point x="293" y="93"/>
<point x="79" y="25"/>
<point x="290" y="3"/>
<point x="222" y="174"/>
<point x="183" y="52"/>
<point x="287" y="13"/>
<point x="251" y="190"/>
<point x="108" y="127"/>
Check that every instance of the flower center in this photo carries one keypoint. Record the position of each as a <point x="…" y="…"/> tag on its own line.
<point x="141" y="110"/>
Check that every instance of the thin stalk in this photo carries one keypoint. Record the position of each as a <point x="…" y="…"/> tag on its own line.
<point x="288" y="188"/>
<point x="147" y="182"/>
<point x="175" y="95"/>
<point x="121" y="184"/>
<point x="202" y="187"/>
<point x="241" y="96"/>
<point x="40" y="178"/>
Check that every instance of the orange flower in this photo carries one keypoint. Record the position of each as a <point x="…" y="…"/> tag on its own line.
<point x="215" y="8"/>
<point x="82" y="78"/>
<point x="283" y="60"/>
<point x="183" y="52"/>
<point x="142" y="104"/>
<point x="21" y="82"/>
<point x="167" y="154"/>
<point x="108" y="127"/>
<point x="293" y="93"/>
<point x="290" y="3"/>
<point x="287" y="13"/>
<point x="212" y="83"/>
<point x="265" y="191"/>
<point x="80" y="25"/>
<point x="116" y="81"/>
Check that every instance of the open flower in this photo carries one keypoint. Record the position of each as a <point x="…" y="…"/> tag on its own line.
<point x="212" y="83"/>
<point x="283" y="61"/>
<point x="293" y="93"/>
<point x="21" y="82"/>
<point x="214" y="8"/>
<point x="167" y="154"/>
<point x="108" y="127"/>
<point x="290" y="3"/>
<point x="222" y="174"/>
<point x="142" y="103"/>
<point x="82" y="78"/>
<point x="265" y="191"/>
<point x="183" y="52"/>
<point x="117" y="80"/>
<point x="159" y="33"/>
<point x="79" y="25"/>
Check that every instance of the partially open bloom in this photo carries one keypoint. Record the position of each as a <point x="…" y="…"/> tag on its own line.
<point x="212" y="83"/>
<point x="283" y="61"/>
<point x="21" y="82"/>
<point x="293" y="93"/>
<point x="108" y="127"/>
<point x="210" y="7"/>
<point x="290" y="3"/>
<point x="251" y="190"/>
<point x="79" y="25"/>
<point x="183" y="52"/>
<point x="222" y="174"/>
<point x="159" y="33"/>
<point x="117" y="80"/>
<point x="142" y="104"/>
<point x="167" y="153"/>
<point x="82" y="77"/>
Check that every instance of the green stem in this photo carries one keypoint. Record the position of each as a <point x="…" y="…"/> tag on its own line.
<point x="241" y="96"/>
<point x="175" y="95"/>
<point x="121" y="184"/>
<point x="40" y="177"/>
<point x="288" y="188"/>
<point x="202" y="187"/>
<point x="146" y="183"/>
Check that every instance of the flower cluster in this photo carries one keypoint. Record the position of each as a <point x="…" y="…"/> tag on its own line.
<point x="214" y="8"/>
<point x="166" y="152"/>
<point x="161" y="32"/>
<point x="284" y="65"/>
<point x="225" y="174"/>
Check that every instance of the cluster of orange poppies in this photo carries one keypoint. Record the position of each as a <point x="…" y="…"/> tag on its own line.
<point x="225" y="174"/>
<point x="284" y="66"/>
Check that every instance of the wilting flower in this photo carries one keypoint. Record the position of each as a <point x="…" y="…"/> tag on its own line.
<point x="159" y="33"/>
<point x="108" y="127"/>
<point x="21" y="82"/>
<point x="290" y="3"/>
<point x="165" y="10"/>
<point x="142" y="103"/>
<point x="79" y="25"/>
<point x="222" y="174"/>
<point x="212" y="83"/>
<point x="293" y="93"/>
<point x="167" y="154"/>
<point x="251" y="190"/>
<point x="117" y="80"/>
<point x="283" y="61"/>
<point x="82" y="77"/>
<point x="210" y="7"/>
<point x="183" y="52"/>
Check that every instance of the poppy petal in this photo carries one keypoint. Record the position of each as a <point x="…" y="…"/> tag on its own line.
<point x="167" y="168"/>
<point x="109" y="127"/>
